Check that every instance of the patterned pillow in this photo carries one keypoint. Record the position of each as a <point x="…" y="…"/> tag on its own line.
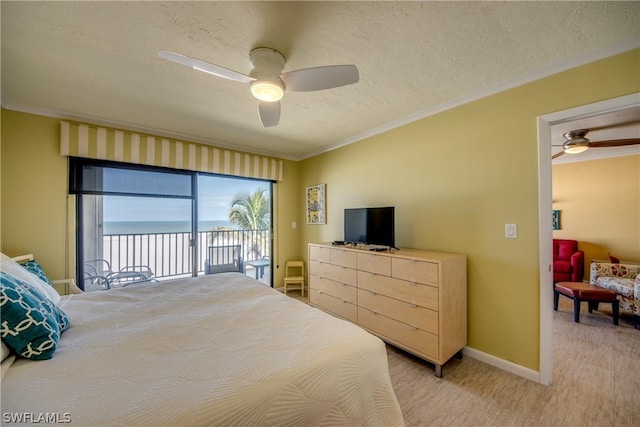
<point x="34" y="267"/>
<point x="31" y="323"/>
<point x="10" y="266"/>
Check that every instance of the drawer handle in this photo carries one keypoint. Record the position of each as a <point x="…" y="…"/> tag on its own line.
<point x="413" y="328"/>
<point x="413" y="305"/>
<point x="373" y="312"/>
<point x="373" y="293"/>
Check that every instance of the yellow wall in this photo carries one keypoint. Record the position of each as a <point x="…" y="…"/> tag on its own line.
<point x="456" y="178"/>
<point x="34" y="197"/>
<point x="34" y="190"/>
<point x="599" y="202"/>
<point x="287" y="241"/>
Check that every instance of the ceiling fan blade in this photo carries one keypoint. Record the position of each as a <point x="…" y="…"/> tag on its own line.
<point x="615" y="143"/>
<point x="197" y="64"/>
<point x="558" y="154"/>
<point x="269" y="113"/>
<point x="319" y="78"/>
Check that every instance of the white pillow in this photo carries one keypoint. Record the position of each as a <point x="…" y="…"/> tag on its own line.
<point x="7" y="360"/>
<point x="10" y="266"/>
<point x="5" y="351"/>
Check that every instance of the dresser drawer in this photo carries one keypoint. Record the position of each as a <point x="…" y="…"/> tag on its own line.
<point x="336" y="289"/>
<point x="343" y="258"/>
<point x="415" y="271"/>
<point x="378" y="264"/>
<point x="334" y="305"/>
<point x="399" y="333"/>
<point x="319" y="253"/>
<point x="410" y="314"/>
<point x="411" y="292"/>
<point x="333" y="272"/>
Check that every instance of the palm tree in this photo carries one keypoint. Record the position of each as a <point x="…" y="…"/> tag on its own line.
<point x="250" y="211"/>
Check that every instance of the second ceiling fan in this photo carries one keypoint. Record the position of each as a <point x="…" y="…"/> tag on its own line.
<point x="267" y="81"/>
<point x="576" y="141"/>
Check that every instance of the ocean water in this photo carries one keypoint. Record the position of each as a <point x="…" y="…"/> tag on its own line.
<point x="141" y="227"/>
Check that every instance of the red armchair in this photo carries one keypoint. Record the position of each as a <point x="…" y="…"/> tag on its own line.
<point x="568" y="261"/>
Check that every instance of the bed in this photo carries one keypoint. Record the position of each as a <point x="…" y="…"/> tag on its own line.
<point x="220" y="349"/>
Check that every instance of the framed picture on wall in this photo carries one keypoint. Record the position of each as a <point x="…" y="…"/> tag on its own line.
<point x="556" y="220"/>
<point x="316" y="204"/>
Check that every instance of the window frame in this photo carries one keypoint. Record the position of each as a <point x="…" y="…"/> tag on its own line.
<point x="75" y="183"/>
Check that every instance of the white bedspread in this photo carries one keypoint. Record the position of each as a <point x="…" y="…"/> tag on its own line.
<point x="215" y="350"/>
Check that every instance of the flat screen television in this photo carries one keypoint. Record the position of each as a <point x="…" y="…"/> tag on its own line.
<point x="372" y="226"/>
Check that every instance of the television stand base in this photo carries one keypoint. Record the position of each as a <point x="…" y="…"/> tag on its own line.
<point x="378" y="248"/>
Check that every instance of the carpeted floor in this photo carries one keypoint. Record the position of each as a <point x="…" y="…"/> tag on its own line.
<point x="596" y="381"/>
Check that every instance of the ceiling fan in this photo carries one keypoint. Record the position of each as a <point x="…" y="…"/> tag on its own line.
<point x="576" y="141"/>
<point x="267" y="81"/>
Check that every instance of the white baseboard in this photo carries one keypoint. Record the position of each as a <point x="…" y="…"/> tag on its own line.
<point x="505" y="365"/>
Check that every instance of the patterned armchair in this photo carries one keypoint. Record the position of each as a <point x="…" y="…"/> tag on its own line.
<point x="623" y="279"/>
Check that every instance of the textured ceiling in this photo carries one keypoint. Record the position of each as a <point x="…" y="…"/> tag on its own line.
<point x="98" y="62"/>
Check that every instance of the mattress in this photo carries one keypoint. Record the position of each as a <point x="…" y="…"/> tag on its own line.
<point x="220" y="350"/>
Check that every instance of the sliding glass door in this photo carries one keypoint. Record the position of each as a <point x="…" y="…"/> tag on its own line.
<point x="138" y="223"/>
<point x="234" y="222"/>
<point x="136" y="234"/>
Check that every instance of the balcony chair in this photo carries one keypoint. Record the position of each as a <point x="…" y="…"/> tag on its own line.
<point x="95" y="281"/>
<point x="98" y="272"/>
<point x="224" y="259"/>
<point x="568" y="261"/>
<point x="294" y="275"/>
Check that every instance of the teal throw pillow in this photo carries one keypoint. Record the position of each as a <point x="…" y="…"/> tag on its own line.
<point x="34" y="267"/>
<point x="31" y="324"/>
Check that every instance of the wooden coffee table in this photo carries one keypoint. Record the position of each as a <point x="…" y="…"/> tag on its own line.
<point x="579" y="292"/>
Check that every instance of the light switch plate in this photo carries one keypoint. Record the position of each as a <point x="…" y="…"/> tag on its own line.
<point x="511" y="231"/>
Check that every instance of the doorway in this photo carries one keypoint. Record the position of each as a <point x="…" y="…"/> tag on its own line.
<point x="545" y="124"/>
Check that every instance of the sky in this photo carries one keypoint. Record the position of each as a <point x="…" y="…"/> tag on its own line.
<point x="214" y="195"/>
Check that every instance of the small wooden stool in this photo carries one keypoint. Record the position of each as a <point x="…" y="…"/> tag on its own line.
<point x="579" y="292"/>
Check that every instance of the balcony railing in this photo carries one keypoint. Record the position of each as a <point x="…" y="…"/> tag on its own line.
<point x="169" y="254"/>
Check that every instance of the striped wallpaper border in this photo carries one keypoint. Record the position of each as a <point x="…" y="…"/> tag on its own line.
<point x="93" y="142"/>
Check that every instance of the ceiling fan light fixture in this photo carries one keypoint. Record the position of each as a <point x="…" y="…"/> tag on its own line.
<point x="575" y="147"/>
<point x="267" y="91"/>
<point x="576" y="142"/>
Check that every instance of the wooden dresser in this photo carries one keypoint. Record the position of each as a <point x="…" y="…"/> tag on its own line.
<point x="415" y="300"/>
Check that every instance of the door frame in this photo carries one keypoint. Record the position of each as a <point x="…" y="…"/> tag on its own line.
<point x="545" y="122"/>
